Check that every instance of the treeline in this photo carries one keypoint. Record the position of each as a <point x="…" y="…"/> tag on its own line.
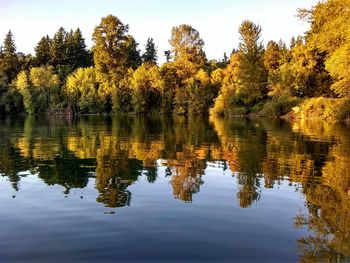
<point x="114" y="77"/>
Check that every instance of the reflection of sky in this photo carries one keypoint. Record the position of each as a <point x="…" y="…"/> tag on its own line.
<point x="155" y="222"/>
<point x="217" y="21"/>
<point x="217" y="183"/>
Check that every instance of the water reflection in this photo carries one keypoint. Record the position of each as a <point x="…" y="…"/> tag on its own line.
<point x="116" y="152"/>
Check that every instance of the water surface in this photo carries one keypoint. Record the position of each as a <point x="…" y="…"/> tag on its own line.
<point x="173" y="189"/>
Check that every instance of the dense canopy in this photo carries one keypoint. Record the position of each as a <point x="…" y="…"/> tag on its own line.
<point x="114" y="77"/>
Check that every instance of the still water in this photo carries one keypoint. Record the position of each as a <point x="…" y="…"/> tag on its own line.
<point x="173" y="189"/>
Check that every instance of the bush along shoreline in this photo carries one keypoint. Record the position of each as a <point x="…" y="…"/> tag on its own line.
<point x="306" y="78"/>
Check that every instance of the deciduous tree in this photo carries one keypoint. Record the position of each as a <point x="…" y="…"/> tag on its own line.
<point x="252" y="77"/>
<point x="330" y="32"/>
<point x="39" y="89"/>
<point x="109" y="50"/>
<point x="187" y="45"/>
<point x="147" y="87"/>
<point x="82" y="90"/>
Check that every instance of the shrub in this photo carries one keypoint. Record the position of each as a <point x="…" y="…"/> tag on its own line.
<point x="219" y="106"/>
<point x="279" y="105"/>
<point x="326" y="109"/>
<point x="237" y="111"/>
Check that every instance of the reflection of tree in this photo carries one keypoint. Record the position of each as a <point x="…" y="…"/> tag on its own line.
<point x="187" y="176"/>
<point x="188" y="147"/>
<point x="328" y="214"/>
<point x="114" y="175"/>
<point x="243" y="145"/>
<point x="259" y="153"/>
<point x="65" y="170"/>
<point x="249" y="190"/>
<point x="151" y="174"/>
<point x="10" y="164"/>
<point x="11" y="159"/>
<point x="317" y="155"/>
<point x="292" y="156"/>
<point x="114" y="193"/>
<point x="308" y="154"/>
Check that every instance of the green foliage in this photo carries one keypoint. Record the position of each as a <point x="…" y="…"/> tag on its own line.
<point x="67" y="52"/>
<point x="58" y="48"/>
<point x="122" y="81"/>
<point x="122" y="96"/>
<point x="189" y="58"/>
<point x="133" y="53"/>
<point x="12" y="101"/>
<point x="45" y="83"/>
<point x="110" y="50"/>
<point x="272" y="56"/>
<point x="196" y="96"/>
<point x="39" y="89"/>
<point x="279" y="105"/>
<point x="299" y="71"/>
<point x="339" y="67"/>
<point x="150" y="55"/>
<point x="25" y="89"/>
<point x="25" y="61"/>
<point x="113" y="52"/>
<point x="9" y="63"/>
<point x="3" y="89"/>
<point x="310" y="77"/>
<point x="181" y="101"/>
<point x="227" y="104"/>
<point x="147" y="86"/>
<point x="330" y="33"/>
<point x="325" y="108"/>
<point x="227" y="101"/>
<point x="252" y="76"/>
<point x="76" y="53"/>
<point x="237" y="111"/>
<point x="82" y="91"/>
<point x="42" y="51"/>
<point x="201" y="93"/>
<point x="167" y="54"/>
<point x="187" y="45"/>
<point x="281" y="80"/>
<point x="172" y="83"/>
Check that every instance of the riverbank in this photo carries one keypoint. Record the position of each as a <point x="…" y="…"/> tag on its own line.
<point x="287" y="107"/>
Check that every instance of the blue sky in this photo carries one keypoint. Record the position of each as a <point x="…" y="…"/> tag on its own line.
<point x="216" y="20"/>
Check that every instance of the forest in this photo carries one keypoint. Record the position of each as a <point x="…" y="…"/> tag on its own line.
<point x="306" y="78"/>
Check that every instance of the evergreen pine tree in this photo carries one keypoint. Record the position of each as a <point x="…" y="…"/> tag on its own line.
<point x="134" y="59"/>
<point x="292" y="42"/>
<point x="42" y="51"/>
<point x="9" y="60"/>
<point x="82" y="55"/>
<point x="58" y="48"/>
<point x="167" y="54"/>
<point x="150" y="55"/>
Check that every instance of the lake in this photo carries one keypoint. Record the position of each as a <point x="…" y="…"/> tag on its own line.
<point x="173" y="189"/>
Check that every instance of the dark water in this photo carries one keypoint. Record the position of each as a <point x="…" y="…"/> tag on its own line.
<point x="173" y="189"/>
